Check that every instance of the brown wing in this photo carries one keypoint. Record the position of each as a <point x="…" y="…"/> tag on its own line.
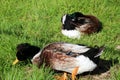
<point x="55" y="51"/>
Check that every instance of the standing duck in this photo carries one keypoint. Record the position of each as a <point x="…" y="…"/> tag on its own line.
<point x="60" y="56"/>
<point x="76" y="24"/>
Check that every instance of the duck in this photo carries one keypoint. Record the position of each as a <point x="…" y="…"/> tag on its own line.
<point x="76" y="24"/>
<point x="61" y="56"/>
<point x="25" y="51"/>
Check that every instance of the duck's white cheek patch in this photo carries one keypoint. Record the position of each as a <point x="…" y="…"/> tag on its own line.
<point x="71" y="33"/>
<point x="63" y="19"/>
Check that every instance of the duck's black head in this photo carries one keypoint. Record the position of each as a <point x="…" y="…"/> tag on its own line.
<point x="26" y="51"/>
<point x="77" y="17"/>
<point x="66" y="22"/>
<point x="70" y="21"/>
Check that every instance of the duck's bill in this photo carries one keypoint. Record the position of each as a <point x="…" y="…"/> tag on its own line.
<point x="16" y="61"/>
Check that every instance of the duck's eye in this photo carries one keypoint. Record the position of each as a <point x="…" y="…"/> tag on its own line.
<point x="73" y="19"/>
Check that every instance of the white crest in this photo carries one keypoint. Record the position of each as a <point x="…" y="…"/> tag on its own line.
<point x="63" y="19"/>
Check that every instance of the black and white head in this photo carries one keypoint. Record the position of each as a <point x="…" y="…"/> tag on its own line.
<point x="69" y="20"/>
<point x="69" y="24"/>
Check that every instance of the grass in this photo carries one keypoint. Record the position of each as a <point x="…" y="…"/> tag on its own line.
<point x="38" y="22"/>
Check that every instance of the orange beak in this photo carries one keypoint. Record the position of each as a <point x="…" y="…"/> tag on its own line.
<point x="15" y="62"/>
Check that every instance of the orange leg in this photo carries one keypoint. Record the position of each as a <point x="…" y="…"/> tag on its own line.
<point x="74" y="73"/>
<point x="63" y="77"/>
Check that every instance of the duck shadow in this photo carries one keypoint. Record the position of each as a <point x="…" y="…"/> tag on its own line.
<point x="104" y="66"/>
<point x="100" y="26"/>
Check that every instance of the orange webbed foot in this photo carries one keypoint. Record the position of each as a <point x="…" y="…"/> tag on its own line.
<point x="63" y="77"/>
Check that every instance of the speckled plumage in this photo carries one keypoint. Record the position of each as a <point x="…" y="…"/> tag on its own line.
<point x="65" y="57"/>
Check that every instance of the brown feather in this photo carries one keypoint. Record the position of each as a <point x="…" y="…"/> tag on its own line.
<point x="53" y="53"/>
<point x="92" y="26"/>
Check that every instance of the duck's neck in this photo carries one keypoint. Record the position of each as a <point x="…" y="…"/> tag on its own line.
<point x="36" y="59"/>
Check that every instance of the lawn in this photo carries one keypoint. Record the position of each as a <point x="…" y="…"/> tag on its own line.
<point x="38" y="22"/>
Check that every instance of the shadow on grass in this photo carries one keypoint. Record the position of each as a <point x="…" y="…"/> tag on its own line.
<point x="100" y="26"/>
<point x="104" y="66"/>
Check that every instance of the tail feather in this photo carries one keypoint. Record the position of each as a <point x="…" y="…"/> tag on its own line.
<point x="100" y="51"/>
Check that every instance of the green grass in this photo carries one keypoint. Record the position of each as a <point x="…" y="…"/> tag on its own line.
<point x="38" y="22"/>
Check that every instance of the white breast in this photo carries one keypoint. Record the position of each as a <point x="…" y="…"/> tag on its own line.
<point x="71" y="33"/>
<point x="85" y="64"/>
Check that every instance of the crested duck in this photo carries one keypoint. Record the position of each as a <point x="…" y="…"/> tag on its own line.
<point x="76" y="24"/>
<point x="60" y="56"/>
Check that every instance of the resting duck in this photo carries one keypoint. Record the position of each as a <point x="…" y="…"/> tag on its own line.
<point x="76" y="24"/>
<point x="25" y="51"/>
<point x="60" y="56"/>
